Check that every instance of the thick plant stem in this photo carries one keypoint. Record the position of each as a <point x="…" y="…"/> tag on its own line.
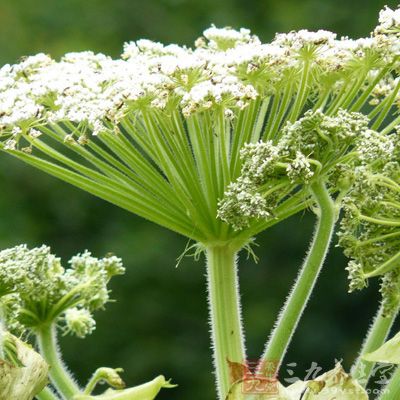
<point x="298" y="298"/>
<point x="46" y="394"/>
<point x="376" y="336"/>
<point x="59" y="375"/>
<point x="392" y="390"/>
<point x="225" y="317"/>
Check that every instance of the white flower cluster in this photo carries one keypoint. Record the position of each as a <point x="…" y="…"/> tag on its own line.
<point x="387" y="33"/>
<point x="373" y="145"/>
<point x="389" y="18"/>
<point x="299" y="168"/>
<point x="298" y="40"/>
<point x="228" y="69"/>
<point x="225" y="38"/>
<point x="304" y="150"/>
<point x="242" y="203"/>
<point x="261" y="159"/>
<point x="34" y="288"/>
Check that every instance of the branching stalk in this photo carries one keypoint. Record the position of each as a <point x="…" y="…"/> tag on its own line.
<point x="297" y="300"/>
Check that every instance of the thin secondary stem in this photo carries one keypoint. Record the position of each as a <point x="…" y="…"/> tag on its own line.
<point x="225" y="318"/>
<point x="59" y="375"/>
<point x="46" y="394"/>
<point x="297" y="300"/>
<point x="387" y="266"/>
<point x="376" y="336"/>
<point x="392" y="390"/>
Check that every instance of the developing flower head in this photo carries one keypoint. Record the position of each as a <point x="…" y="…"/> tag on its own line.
<point x="312" y="148"/>
<point x="370" y="226"/>
<point x="79" y="321"/>
<point x="36" y="288"/>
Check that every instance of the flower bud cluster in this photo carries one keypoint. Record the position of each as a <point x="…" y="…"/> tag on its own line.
<point x="304" y="150"/>
<point x="36" y="289"/>
<point x="370" y="227"/>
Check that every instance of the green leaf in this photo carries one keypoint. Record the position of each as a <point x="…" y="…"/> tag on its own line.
<point x="389" y="352"/>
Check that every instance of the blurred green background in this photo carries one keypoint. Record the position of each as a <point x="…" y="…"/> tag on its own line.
<point x="159" y="322"/>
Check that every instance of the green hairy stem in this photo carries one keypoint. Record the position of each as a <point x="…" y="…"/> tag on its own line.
<point x="392" y="390"/>
<point x="59" y="376"/>
<point x="297" y="301"/>
<point x="46" y="394"/>
<point x="218" y="143"/>
<point x="226" y="327"/>
<point x="376" y="336"/>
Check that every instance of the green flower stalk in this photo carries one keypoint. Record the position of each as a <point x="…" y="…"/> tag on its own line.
<point x="167" y="133"/>
<point x="388" y="353"/>
<point x="375" y="338"/>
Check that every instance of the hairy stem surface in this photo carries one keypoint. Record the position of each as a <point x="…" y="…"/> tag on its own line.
<point x="225" y="318"/>
<point x="297" y="300"/>
<point x="376" y="337"/>
<point x="392" y="390"/>
<point x="59" y="375"/>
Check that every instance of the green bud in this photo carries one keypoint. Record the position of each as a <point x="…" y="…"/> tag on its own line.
<point x="79" y="321"/>
<point x="108" y="375"/>
<point x="147" y="391"/>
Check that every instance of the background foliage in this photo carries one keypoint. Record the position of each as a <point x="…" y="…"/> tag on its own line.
<point x="159" y="322"/>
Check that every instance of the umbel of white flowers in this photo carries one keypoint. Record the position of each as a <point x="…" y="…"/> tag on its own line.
<point x="218" y="143"/>
<point x="159" y="131"/>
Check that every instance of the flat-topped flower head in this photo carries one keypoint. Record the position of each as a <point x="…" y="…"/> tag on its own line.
<point x="160" y="130"/>
<point x="36" y="289"/>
